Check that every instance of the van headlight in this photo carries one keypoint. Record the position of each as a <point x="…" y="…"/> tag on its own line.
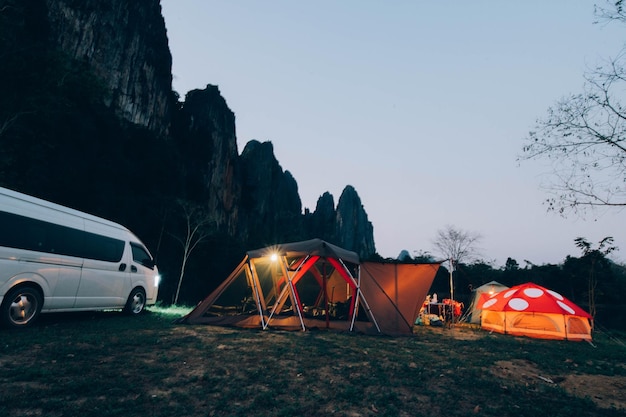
<point x="157" y="280"/>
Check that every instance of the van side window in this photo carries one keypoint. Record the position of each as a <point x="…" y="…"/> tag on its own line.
<point x="102" y="248"/>
<point x="141" y="256"/>
<point x="22" y="232"/>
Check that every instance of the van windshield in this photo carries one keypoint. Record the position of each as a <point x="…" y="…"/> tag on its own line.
<point x="141" y="255"/>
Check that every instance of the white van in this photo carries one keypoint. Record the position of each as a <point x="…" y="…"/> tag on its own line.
<point x="54" y="259"/>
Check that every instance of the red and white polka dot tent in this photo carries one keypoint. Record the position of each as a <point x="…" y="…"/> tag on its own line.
<point x="535" y="311"/>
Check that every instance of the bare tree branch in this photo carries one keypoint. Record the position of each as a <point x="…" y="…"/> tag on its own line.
<point x="196" y="222"/>
<point x="4" y="126"/>
<point x="583" y="138"/>
<point x="613" y="12"/>
<point x="457" y="244"/>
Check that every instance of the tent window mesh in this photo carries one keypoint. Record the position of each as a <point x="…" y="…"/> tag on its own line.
<point x="576" y="326"/>
<point x="492" y="318"/>
<point x="535" y="322"/>
<point x="237" y="298"/>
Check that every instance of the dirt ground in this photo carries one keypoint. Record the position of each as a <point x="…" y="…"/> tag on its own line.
<point x="605" y="391"/>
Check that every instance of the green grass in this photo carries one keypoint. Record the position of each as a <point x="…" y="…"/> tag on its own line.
<point x="108" y="364"/>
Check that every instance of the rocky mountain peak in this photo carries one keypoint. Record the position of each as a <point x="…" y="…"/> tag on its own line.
<point x="270" y="196"/>
<point x="204" y="129"/>
<point x="353" y="229"/>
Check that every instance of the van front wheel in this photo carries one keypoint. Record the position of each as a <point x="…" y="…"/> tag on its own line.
<point x="136" y="302"/>
<point x="21" y="307"/>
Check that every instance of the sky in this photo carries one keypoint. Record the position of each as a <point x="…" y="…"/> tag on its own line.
<point x="422" y="106"/>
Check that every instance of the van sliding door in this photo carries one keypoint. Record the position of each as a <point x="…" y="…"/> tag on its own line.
<point x="104" y="280"/>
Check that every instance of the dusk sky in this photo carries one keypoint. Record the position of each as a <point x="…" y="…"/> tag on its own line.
<point x="422" y="106"/>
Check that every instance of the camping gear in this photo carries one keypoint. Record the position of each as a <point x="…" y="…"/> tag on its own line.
<point x="314" y="284"/>
<point x="535" y="311"/>
<point x="473" y="312"/>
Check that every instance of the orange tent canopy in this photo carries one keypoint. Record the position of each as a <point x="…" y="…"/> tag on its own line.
<point x="532" y="310"/>
<point x="531" y="297"/>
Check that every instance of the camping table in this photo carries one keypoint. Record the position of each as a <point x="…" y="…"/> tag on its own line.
<point x="438" y="309"/>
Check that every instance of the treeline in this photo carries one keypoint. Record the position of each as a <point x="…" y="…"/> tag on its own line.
<point x="572" y="279"/>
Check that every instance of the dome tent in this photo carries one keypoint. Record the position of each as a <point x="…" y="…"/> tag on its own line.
<point x="479" y="295"/>
<point x="314" y="284"/>
<point x="535" y="311"/>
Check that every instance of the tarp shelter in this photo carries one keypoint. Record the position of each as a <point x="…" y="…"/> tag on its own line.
<point x="314" y="284"/>
<point x="473" y="312"/>
<point x="532" y="310"/>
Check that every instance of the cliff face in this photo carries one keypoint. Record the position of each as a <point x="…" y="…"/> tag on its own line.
<point x="346" y="226"/>
<point x="354" y="231"/>
<point x="204" y="130"/>
<point x="321" y="223"/>
<point x="88" y="119"/>
<point x="270" y="197"/>
<point x="125" y="44"/>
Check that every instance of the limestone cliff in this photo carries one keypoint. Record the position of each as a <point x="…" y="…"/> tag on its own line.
<point x="270" y="197"/>
<point x="204" y="130"/>
<point x="321" y="223"/>
<point x="125" y="44"/>
<point x="353" y="229"/>
<point x="346" y="225"/>
<point x="88" y="119"/>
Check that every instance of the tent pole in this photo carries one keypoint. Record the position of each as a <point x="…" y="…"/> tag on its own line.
<point x="369" y="310"/>
<point x="355" y="311"/>
<point x="326" y="304"/>
<point x="257" y="293"/>
<point x="279" y="300"/>
<point x="356" y="298"/>
<point x="504" y="314"/>
<point x="359" y="296"/>
<point x="294" y="297"/>
<point x="451" y="293"/>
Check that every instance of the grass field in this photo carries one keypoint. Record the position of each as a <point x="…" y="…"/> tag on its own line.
<point x="107" y="364"/>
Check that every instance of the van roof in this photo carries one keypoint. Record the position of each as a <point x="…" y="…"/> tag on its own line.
<point x="53" y="206"/>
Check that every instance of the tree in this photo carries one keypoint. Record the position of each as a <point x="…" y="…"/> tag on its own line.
<point x="511" y="265"/>
<point x="423" y="256"/>
<point x="584" y="138"/>
<point x="196" y="229"/>
<point x="457" y="246"/>
<point x="594" y="256"/>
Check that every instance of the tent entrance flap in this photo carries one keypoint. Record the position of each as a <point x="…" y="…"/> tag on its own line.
<point x="239" y="297"/>
<point x="396" y="292"/>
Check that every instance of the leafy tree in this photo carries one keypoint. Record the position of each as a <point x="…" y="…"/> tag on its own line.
<point x="584" y="138"/>
<point x="595" y="259"/>
<point x="574" y="280"/>
<point x="511" y="265"/>
<point x="423" y="256"/>
<point x="473" y="275"/>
